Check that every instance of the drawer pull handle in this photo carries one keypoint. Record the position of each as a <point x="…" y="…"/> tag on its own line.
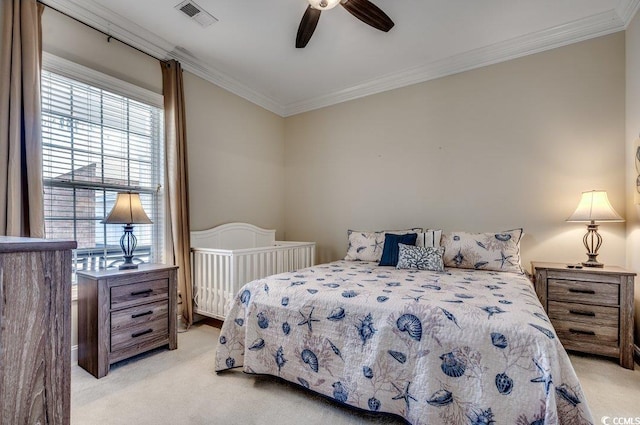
<point x="137" y="334"/>
<point x="145" y="292"/>
<point x="582" y="291"/>
<point x="583" y="313"/>
<point x="146" y="313"/>
<point x="578" y="331"/>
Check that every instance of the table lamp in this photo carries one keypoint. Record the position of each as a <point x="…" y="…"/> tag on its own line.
<point x="127" y="211"/>
<point x="594" y="206"/>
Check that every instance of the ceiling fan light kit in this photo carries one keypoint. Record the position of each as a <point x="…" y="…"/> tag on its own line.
<point x="324" y="4"/>
<point x="364" y="10"/>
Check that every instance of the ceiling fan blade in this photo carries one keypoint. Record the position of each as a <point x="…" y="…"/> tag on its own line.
<point x="307" y="26"/>
<point x="369" y="13"/>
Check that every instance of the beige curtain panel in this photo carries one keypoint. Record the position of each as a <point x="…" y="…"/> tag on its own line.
<point x="21" y="188"/>
<point x="178" y="180"/>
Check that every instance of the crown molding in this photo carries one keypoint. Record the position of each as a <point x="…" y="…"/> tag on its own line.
<point x="197" y="67"/>
<point x="626" y="10"/>
<point x="580" y="30"/>
<point x="127" y="31"/>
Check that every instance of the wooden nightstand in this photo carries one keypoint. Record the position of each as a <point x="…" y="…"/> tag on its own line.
<point x="590" y="308"/>
<point x="122" y="313"/>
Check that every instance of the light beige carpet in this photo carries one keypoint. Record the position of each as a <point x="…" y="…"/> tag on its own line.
<point x="181" y="387"/>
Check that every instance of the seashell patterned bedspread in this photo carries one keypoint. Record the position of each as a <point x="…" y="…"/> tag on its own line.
<point x="458" y="347"/>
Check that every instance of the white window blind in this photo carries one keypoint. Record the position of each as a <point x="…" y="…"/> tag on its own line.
<point x="97" y="143"/>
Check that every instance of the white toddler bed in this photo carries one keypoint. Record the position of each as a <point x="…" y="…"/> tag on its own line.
<point x="226" y="257"/>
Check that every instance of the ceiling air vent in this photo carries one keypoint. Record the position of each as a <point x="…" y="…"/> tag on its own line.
<point x="195" y="12"/>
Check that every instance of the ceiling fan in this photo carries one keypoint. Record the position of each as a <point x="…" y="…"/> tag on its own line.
<point x="364" y="10"/>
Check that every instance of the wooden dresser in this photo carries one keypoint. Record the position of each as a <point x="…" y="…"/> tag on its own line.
<point x="122" y="313"/>
<point x="35" y="331"/>
<point x="591" y="308"/>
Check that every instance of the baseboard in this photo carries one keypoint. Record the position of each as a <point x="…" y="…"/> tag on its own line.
<point x="74" y="354"/>
<point x="216" y="323"/>
<point x="198" y="317"/>
<point x="636" y="353"/>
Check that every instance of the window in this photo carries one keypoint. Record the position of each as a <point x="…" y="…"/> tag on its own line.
<point x="96" y="143"/>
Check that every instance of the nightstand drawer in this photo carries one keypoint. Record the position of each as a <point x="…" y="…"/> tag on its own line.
<point x="575" y="334"/>
<point x="135" y="316"/>
<point x="583" y="292"/>
<point x="141" y="292"/>
<point x="140" y="334"/>
<point x="590" y="315"/>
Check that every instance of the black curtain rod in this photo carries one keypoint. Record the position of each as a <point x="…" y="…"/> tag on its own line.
<point x="109" y="36"/>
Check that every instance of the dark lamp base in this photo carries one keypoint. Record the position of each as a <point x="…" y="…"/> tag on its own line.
<point x="592" y="264"/>
<point x="128" y="244"/>
<point x="592" y="241"/>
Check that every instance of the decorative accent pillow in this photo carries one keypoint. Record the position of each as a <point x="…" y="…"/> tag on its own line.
<point x="430" y="238"/>
<point x="484" y="251"/>
<point x="367" y="246"/>
<point x="421" y="258"/>
<point x="391" y="247"/>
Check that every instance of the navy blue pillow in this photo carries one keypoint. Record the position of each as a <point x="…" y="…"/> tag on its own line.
<point x="390" y="252"/>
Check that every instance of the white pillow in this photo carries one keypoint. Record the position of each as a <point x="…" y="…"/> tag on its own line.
<point x="498" y="251"/>
<point x="429" y="239"/>
<point x="368" y="246"/>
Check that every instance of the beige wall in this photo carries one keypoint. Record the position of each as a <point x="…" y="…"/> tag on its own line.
<point x="632" y="142"/>
<point x="69" y="39"/>
<point x="509" y="145"/>
<point x="236" y="159"/>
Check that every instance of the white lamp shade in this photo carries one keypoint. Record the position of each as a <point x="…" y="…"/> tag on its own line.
<point x="127" y="210"/>
<point x="595" y="206"/>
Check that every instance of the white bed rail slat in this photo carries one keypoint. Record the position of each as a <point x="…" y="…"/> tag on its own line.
<point x="218" y="274"/>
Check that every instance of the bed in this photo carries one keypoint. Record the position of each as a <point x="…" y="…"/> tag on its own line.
<point x="226" y="257"/>
<point x="459" y="346"/>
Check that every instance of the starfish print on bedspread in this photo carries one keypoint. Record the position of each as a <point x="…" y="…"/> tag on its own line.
<point x="544" y="378"/>
<point x="308" y="319"/>
<point x="404" y="394"/>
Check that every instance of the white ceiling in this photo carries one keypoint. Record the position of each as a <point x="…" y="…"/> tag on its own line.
<point x="251" y="52"/>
